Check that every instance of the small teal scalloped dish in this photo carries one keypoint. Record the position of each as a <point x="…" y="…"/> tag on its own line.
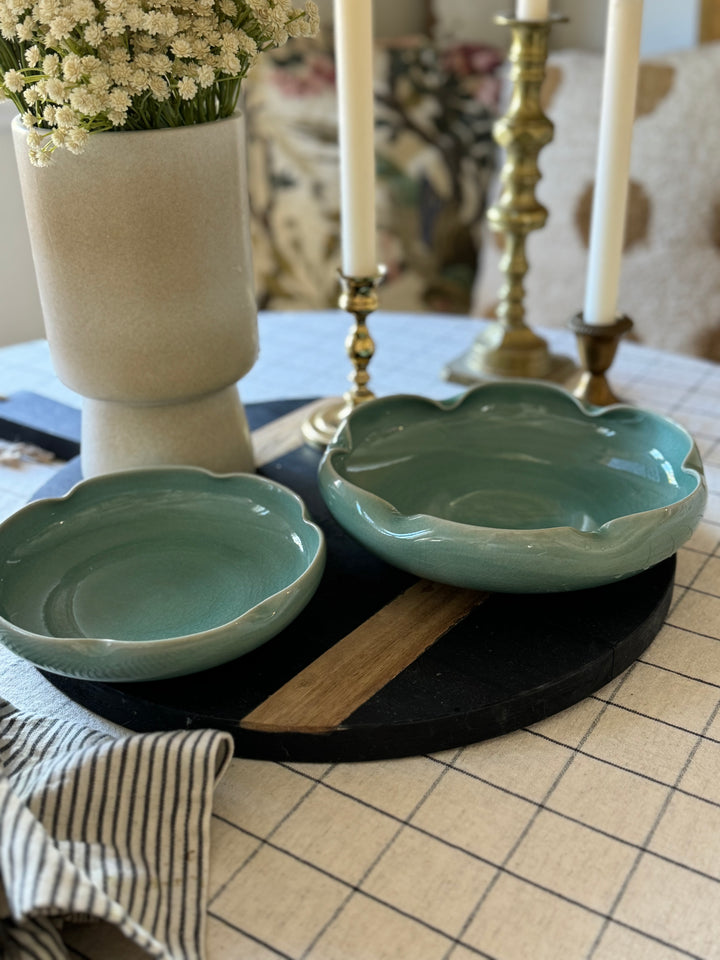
<point x="514" y="487"/>
<point x="154" y="573"/>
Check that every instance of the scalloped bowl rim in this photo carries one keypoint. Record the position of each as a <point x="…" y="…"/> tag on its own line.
<point x="183" y="640"/>
<point x="449" y="406"/>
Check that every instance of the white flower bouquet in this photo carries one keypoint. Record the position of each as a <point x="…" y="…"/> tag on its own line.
<point x="77" y="67"/>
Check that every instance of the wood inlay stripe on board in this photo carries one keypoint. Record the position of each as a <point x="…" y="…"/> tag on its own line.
<point x="332" y="687"/>
<point x="283" y="435"/>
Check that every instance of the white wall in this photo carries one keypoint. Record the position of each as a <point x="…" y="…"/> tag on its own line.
<point x="667" y="24"/>
<point x="392" y="18"/>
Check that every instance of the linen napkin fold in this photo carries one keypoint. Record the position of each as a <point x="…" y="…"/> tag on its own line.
<point x="94" y="827"/>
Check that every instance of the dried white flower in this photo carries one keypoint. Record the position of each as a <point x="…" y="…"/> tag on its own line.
<point x="121" y="73"/>
<point x="55" y="90"/>
<point x="60" y="27"/>
<point x="39" y="158"/>
<point x="134" y="16"/>
<point x="83" y="11"/>
<point x="169" y="25"/>
<point x="75" y="140"/>
<point x="187" y="88"/>
<point x="160" y="88"/>
<point x="114" y="52"/>
<point x="152" y="22"/>
<point x="65" y="118"/>
<point x="119" y="100"/>
<point x="14" y="81"/>
<point x="144" y="42"/>
<point x="81" y="66"/>
<point x="246" y="44"/>
<point x="86" y="103"/>
<point x="94" y="34"/>
<point x="228" y="63"/>
<point x="32" y="56"/>
<point x="181" y="46"/>
<point x="159" y="64"/>
<point x="51" y="65"/>
<point x="24" y="31"/>
<point x="72" y="68"/>
<point x="114" y="25"/>
<point x="205" y="76"/>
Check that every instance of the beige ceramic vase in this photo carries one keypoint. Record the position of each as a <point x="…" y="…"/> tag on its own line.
<point x="143" y="261"/>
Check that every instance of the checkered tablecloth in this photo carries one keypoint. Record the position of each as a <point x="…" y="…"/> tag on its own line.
<point x="594" y="834"/>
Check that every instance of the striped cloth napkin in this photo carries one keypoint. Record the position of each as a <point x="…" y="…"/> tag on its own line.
<point x="98" y="828"/>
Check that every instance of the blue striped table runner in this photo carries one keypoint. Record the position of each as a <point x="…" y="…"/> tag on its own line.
<point x="104" y="829"/>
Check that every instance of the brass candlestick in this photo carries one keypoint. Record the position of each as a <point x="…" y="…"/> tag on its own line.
<point x="508" y="347"/>
<point x="359" y="297"/>
<point x="597" y="345"/>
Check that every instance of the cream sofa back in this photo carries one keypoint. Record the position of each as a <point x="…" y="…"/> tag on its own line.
<point x="670" y="283"/>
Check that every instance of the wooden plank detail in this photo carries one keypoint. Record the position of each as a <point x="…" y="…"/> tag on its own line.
<point x="332" y="687"/>
<point x="283" y="435"/>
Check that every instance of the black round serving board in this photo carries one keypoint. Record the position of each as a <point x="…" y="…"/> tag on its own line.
<point x="514" y="659"/>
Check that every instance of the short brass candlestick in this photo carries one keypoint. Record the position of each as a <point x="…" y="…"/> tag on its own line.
<point x="508" y="347"/>
<point x="359" y="296"/>
<point x="597" y="345"/>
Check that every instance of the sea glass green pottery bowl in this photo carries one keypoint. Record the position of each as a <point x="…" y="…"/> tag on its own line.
<point x="154" y="573"/>
<point x="514" y="486"/>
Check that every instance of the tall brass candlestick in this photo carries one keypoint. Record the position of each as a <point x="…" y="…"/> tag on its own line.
<point x="359" y="297"/>
<point x="508" y="347"/>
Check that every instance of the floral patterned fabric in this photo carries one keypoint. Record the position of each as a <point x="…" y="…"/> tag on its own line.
<point x="434" y="112"/>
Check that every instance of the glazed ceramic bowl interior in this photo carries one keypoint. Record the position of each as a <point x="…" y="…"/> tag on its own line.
<point x="507" y="471"/>
<point x="519" y="467"/>
<point x="206" y="565"/>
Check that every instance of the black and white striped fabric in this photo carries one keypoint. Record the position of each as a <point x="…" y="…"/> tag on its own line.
<point x="98" y="828"/>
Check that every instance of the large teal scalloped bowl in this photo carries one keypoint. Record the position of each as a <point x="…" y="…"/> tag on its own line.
<point x="515" y="487"/>
<point x="155" y="573"/>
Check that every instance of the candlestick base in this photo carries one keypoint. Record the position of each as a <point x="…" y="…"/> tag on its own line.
<point x="597" y="345"/>
<point x="498" y="353"/>
<point x="321" y="426"/>
<point x="359" y="297"/>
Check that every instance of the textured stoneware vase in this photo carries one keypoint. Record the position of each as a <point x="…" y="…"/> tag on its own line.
<point x="143" y="261"/>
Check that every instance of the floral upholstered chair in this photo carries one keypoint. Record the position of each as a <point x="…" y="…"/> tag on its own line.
<point x="434" y="112"/>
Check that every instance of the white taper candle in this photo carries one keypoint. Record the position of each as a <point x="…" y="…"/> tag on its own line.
<point x="532" y="9"/>
<point x="622" y="53"/>
<point x="354" y="71"/>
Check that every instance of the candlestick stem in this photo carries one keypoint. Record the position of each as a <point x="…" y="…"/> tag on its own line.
<point x="359" y="297"/>
<point x="508" y="347"/>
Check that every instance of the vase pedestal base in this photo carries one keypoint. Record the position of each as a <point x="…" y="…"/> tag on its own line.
<point x="209" y="431"/>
